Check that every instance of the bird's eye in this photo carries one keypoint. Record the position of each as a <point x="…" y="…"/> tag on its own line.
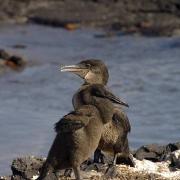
<point x="88" y="65"/>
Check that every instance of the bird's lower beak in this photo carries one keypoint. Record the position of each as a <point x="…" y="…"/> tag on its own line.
<point x="72" y="68"/>
<point x="118" y="101"/>
<point x="78" y="69"/>
<point x="123" y="103"/>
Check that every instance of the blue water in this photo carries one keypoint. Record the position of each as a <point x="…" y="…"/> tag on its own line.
<point x="145" y="72"/>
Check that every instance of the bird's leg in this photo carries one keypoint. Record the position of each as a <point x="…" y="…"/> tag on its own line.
<point x="77" y="173"/>
<point x="126" y="158"/>
<point x="68" y="172"/>
<point x="111" y="171"/>
<point x="98" y="156"/>
<point x="46" y="169"/>
<point x="131" y="160"/>
<point x="95" y="164"/>
<point x="115" y="158"/>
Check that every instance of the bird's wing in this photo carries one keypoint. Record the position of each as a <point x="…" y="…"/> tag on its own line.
<point x="100" y="91"/>
<point x="120" y="116"/>
<point x="71" y="122"/>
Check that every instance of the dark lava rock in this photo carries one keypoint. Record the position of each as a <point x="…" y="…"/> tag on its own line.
<point x="155" y="152"/>
<point x="14" y="62"/>
<point x="26" y="167"/>
<point x="174" y="158"/>
<point x="147" y="17"/>
<point x="19" y="46"/>
<point x="4" y="55"/>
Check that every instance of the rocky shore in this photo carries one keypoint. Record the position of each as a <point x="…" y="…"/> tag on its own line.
<point x="151" y="162"/>
<point x="147" y="17"/>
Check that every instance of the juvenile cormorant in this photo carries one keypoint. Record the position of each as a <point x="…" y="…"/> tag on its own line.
<point x="79" y="132"/>
<point x="78" y="135"/>
<point x="114" y="137"/>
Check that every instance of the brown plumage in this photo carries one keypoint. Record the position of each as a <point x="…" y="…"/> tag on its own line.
<point x="114" y="137"/>
<point x="79" y="132"/>
<point x="78" y="135"/>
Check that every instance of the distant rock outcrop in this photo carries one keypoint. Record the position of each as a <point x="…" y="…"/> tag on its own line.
<point x="148" y="17"/>
<point x="8" y="61"/>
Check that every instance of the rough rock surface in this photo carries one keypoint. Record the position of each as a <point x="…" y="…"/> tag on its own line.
<point x="155" y="152"/>
<point x="26" y="167"/>
<point x="149" y="17"/>
<point x="11" y="61"/>
<point x="168" y="169"/>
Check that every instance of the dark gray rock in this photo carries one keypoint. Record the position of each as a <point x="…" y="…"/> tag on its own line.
<point x="26" y="167"/>
<point x="4" y="55"/>
<point x="148" y="17"/>
<point x="155" y="152"/>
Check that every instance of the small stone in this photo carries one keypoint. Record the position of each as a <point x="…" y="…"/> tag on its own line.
<point x="4" y="55"/>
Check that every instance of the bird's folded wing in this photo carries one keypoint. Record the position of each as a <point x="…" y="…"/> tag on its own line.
<point x="101" y="91"/>
<point x="121" y="118"/>
<point x="70" y="123"/>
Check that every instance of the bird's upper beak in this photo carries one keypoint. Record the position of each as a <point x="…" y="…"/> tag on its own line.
<point x="71" y="68"/>
<point x="115" y="99"/>
<point x="101" y="91"/>
<point x="78" y="69"/>
<point x="118" y="101"/>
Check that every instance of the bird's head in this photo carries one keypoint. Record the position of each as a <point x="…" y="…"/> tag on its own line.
<point x="91" y="70"/>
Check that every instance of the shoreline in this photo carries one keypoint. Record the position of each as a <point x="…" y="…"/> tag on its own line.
<point x="151" y="161"/>
<point x="150" y="18"/>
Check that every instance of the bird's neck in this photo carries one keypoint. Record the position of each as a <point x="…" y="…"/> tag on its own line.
<point x="94" y="82"/>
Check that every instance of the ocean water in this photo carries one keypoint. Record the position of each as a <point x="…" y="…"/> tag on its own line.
<point x="144" y="72"/>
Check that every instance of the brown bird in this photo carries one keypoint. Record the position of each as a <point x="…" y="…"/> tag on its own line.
<point x="114" y="137"/>
<point x="78" y="135"/>
<point x="79" y="132"/>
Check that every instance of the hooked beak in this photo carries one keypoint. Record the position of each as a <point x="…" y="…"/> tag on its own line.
<point x="118" y="101"/>
<point x="79" y="69"/>
<point x="72" y="68"/>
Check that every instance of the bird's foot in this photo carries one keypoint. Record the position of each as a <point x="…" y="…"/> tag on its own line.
<point x="127" y="160"/>
<point x="94" y="166"/>
<point x="131" y="161"/>
<point x="51" y="176"/>
<point x="68" y="172"/>
<point x="111" y="171"/>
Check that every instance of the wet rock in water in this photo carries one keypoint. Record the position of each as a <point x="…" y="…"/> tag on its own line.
<point x="26" y="167"/>
<point x="55" y="22"/>
<point x="13" y="62"/>
<point x="4" y="55"/>
<point x="19" y="46"/>
<point x="155" y="152"/>
<point x="16" y="63"/>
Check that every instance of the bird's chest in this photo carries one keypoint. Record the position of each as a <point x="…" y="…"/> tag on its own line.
<point x="77" y="101"/>
<point x="81" y="97"/>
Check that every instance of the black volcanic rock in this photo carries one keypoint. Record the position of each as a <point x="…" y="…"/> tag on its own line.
<point x="148" y="17"/>
<point x="26" y="167"/>
<point x="156" y="152"/>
